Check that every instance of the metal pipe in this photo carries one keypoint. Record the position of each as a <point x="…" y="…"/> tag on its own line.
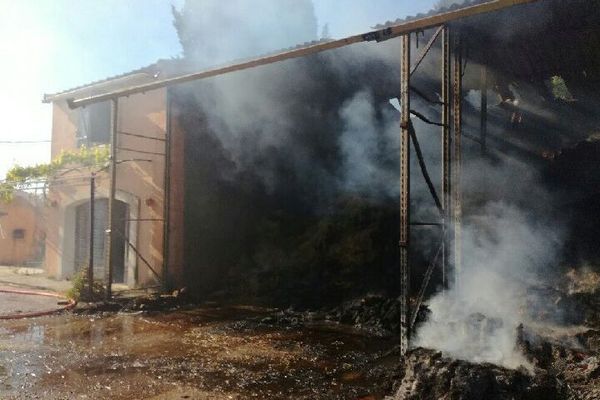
<point x="167" y="191"/>
<point x="140" y="151"/>
<point x="425" y="173"/>
<point x="446" y="149"/>
<point x="425" y="283"/>
<point x="136" y="251"/>
<point x="138" y="135"/>
<point x="139" y="255"/>
<point x="91" y="254"/>
<point x="457" y="164"/>
<point x="405" y="194"/>
<point x="401" y="29"/>
<point x="425" y="119"/>
<point x="425" y="50"/>
<point x="112" y="193"/>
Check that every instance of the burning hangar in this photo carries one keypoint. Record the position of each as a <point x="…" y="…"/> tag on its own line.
<point x="492" y="79"/>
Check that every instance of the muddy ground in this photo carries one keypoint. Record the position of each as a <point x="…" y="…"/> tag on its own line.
<point x="166" y="347"/>
<point x="204" y="353"/>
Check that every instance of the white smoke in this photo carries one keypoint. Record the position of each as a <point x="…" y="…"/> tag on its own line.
<point x="505" y="252"/>
<point x="364" y="142"/>
<point x="505" y="249"/>
<point x="218" y="32"/>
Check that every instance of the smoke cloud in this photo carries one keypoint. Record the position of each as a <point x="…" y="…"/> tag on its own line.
<point x="506" y="252"/>
<point x="214" y="32"/>
<point x="369" y="145"/>
<point x="294" y="137"/>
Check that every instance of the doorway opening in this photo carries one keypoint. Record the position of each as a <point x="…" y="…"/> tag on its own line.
<point x="82" y="238"/>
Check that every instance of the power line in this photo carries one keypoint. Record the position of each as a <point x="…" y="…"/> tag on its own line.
<point x="50" y="181"/>
<point x="24" y="141"/>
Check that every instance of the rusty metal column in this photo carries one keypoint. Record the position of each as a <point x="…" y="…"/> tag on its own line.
<point x="446" y="151"/>
<point x="484" y="109"/>
<point x="404" y="194"/>
<point x="456" y="167"/>
<point x="90" y="271"/>
<point x="111" y="199"/>
<point x="167" y="193"/>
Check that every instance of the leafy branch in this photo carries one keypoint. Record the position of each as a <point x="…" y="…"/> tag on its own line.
<point x="23" y="178"/>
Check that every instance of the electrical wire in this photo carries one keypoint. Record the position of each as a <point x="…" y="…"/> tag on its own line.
<point x="24" y="141"/>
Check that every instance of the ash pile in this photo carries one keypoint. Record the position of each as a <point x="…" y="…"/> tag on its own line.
<point x="559" y="371"/>
<point x="428" y="375"/>
<point x="554" y="356"/>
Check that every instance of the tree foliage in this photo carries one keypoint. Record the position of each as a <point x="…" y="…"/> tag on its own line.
<point x="19" y="177"/>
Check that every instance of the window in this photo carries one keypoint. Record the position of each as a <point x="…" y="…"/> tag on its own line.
<point x="94" y="124"/>
<point x="18" y="234"/>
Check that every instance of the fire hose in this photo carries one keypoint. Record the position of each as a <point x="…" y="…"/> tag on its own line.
<point x="70" y="303"/>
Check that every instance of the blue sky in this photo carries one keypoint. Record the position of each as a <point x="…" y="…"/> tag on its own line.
<point x="51" y="45"/>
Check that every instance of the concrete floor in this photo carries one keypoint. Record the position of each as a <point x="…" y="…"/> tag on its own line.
<point x="31" y="278"/>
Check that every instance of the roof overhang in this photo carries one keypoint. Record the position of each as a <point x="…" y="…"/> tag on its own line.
<point x="390" y="32"/>
<point x="108" y="85"/>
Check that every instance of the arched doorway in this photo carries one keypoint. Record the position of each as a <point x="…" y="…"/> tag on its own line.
<point x="82" y="238"/>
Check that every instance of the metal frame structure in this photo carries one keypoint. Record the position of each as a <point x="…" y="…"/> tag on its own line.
<point x="90" y="273"/>
<point x="456" y="204"/>
<point x="111" y="232"/>
<point x="449" y="203"/>
<point x="446" y="151"/>
<point x="405" y="192"/>
<point x="114" y="114"/>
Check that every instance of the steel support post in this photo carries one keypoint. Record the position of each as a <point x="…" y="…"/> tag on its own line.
<point x="167" y="193"/>
<point x="111" y="199"/>
<point x="404" y="194"/>
<point x="484" y="109"/>
<point x="456" y="167"/>
<point x="446" y="151"/>
<point x="90" y="271"/>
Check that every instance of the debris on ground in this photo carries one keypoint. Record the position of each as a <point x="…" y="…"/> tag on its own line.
<point x="430" y="376"/>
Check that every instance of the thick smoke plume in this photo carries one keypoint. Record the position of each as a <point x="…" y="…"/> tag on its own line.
<point x="506" y="253"/>
<point x="292" y="177"/>
<point x="292" y="168"/>
<point x="214" y="32"/>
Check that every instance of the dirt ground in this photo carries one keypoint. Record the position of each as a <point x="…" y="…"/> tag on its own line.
<point x="203" y="353"/>
<point x="206" y="353"/>
<point x="31" y="278"/>
<point x="15" y="304"/>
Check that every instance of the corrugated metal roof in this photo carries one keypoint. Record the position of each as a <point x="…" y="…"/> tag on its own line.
<point x="162" y="69"/>
<point x="155" y="70"/>
<point x="180" y="64"/>
<point x="434" y="11"/>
